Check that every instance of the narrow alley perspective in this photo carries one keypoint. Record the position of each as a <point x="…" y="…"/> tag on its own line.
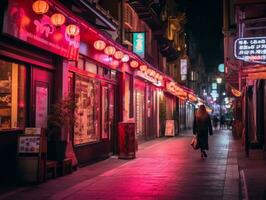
<point x="132" y="99"/>
<point x="167" y="168"/>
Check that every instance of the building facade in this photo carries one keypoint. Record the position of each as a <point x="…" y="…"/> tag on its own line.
<point x="53" y="50"/>
<point x="244" y="33"/>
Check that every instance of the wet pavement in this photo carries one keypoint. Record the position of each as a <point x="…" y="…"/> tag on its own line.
<point x="165" y="168"/>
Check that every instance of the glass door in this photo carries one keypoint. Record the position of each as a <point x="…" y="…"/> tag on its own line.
<point x="140" y="107"/>
<point x="105" y="113"/>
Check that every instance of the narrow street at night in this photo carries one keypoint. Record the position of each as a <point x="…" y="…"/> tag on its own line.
<point x="166" y="168"/>
<point x="133" y="99"/>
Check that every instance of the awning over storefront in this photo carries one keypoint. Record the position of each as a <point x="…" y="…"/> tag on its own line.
<point x="180" y="91"/>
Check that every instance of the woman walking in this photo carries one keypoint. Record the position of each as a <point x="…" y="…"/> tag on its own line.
<point x="202" y="126"/>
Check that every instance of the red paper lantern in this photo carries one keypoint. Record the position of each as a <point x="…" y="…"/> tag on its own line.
<point x="72" y="30"/>
<point x="160" y="78"/>
<point x="58" y="19"/>
<point x="148" y="71"/>
<point x="125" y="58"/>
<point x="99" y="45"/>
<point x="40" y="7"/>
<point x="118" y="55"/>
<point x="152" y="73"/>
<point x="143" y="68"/>
<point x="157" y="75"/>
<point x="109" y="50"/>
<point x="134" y="64"/>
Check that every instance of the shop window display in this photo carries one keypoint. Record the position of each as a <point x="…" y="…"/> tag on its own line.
<point x="90" y="67"/>
<point x="86" y="115"/>
<point x="12" y="95"/>
<point x="105" y="113"/>
<point x="140" y="113"/>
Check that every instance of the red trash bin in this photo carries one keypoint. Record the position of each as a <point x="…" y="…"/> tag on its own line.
<point x="127" y="140"/>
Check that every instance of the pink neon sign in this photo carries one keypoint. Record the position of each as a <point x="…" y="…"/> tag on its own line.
<point x="21" y="22"/>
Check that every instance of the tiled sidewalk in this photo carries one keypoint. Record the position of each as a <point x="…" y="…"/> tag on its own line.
<point x="166" y="168"/>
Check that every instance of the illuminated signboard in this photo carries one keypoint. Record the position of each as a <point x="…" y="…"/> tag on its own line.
<point x="214" y="94"/>
<point x="22" y="22"/>
<point x="214" y="86"/>
<point x="149" y="78"/>
<point x="183" y="66"/>
<point x="251" y="49"/>
<point x="139" y="44"/>
<point x="221" y="68"/>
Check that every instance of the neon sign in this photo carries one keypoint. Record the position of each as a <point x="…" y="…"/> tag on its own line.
<point x="214" y="86"/>
<point x="43" y="27"/>
<point x="251" y="49"/>
<point x="183" y="66"/>
<point x="21" y="22"/>
<point x="139" y="44"/>
<point x="221" y="68"/>
<point x="149" y="78"/>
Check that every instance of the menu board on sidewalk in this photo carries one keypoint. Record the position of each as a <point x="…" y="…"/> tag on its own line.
<point x="29" y="144"/>
<point x="170" y="128"/>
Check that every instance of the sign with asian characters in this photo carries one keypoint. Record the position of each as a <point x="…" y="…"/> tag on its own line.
<point x="251" y="49"/>
<point x="139" y="44"/>
<point x="21" y="22"/>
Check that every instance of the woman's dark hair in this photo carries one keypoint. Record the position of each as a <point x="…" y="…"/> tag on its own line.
<point x="202" y="112"/>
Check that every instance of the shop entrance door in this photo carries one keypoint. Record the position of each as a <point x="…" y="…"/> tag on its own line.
<point x="108" y="115"/>
<point x="140" y="109"/>
<point x="42" y="92"/>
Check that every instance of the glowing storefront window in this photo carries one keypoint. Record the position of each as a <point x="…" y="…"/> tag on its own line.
<point x="12" y="95"/>
<point x="86" y="115"/>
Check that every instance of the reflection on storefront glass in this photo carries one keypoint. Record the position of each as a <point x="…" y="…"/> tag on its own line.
<point x="12" y="95"/>
<point x="86" y="114"/>
<point x="140" y="113"/>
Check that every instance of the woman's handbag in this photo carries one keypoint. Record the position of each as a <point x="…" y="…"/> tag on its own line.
<point x="194" y="142"/>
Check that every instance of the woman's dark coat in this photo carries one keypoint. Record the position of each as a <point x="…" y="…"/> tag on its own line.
<point x="201" y="126"/>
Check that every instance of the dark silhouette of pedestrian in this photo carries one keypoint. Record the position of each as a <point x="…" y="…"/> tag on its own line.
<point x="202" y="126"/>
<point x="222" y="121"/>
<point x="215" y="121"/>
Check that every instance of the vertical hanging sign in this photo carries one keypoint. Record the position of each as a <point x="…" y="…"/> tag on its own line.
<point x="139" y="44"/>
<point x="183" y="69"/>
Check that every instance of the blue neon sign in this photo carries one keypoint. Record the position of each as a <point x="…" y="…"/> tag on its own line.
<point x="139" y="44"/>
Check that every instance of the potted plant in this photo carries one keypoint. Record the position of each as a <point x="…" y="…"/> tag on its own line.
<point x="60" y="121"/>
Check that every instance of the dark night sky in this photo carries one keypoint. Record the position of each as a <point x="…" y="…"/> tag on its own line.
<point x="204" y="20"/>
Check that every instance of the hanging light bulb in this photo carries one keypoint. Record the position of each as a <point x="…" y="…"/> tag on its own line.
<point x="118" y="55"/>
<point x="134" y="64"/>
<point x="58" y="19"/>
<point x="99" y="45"/>
<point x="143" y="68"/>
<point x="40" y="7"/>
<point x="157" y="76"/>
<point x="109" y="50"/>
<point x="72" y="30"/>
<point x="125" y="58"/>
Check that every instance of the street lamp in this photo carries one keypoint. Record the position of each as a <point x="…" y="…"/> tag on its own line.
<point x="219" y="80"/>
